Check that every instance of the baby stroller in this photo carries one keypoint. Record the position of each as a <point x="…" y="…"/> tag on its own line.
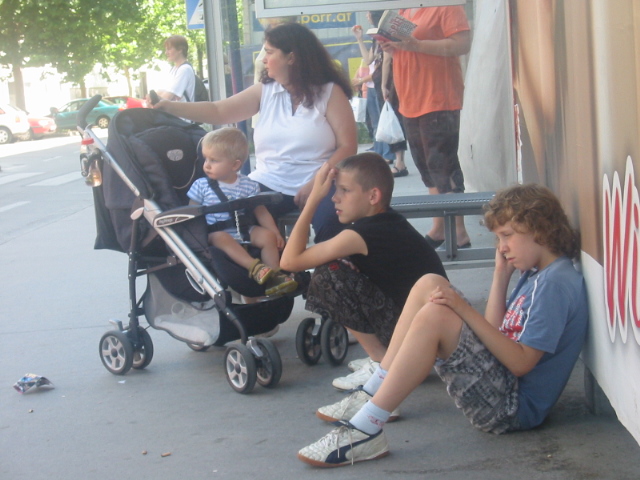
<point x="141" y="209"/>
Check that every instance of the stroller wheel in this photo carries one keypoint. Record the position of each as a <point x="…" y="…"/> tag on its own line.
<point x="198" y="348"/>
<point x="308" y="341"/>
<point x="240" y="367"/>
<point x="142" y="356"/>
<point x="334" y="342"/>
<point x="269" y="365"/>
<point x="116" y="352"/>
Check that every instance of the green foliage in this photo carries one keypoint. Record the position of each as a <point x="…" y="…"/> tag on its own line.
<point x="75" y="35"/>
<point x="68" y="34"/>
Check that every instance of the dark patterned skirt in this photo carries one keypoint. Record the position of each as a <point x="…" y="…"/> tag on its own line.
<point x="350" y="298"/>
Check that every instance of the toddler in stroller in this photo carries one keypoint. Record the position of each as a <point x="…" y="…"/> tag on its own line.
<point x="151" y="161"/>
<point x="224" y="152"/>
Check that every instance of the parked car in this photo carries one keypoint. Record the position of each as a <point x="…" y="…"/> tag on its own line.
<point x="128" y="102"/>
<point x="40" y="126"/>
<point x="13" y="122"/>
<point x="101" y="115"/>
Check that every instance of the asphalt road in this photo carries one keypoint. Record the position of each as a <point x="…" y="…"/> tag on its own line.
<point x="57" y="296"/>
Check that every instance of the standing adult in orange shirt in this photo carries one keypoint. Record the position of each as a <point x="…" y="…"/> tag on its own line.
<point x="429" y="83"/>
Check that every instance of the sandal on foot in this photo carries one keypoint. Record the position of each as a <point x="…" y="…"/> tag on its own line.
<point x="260" y="272"/>
<point x="280" y="284"/>
<point x="399" y="173"/>
<point x="433" y="243"/>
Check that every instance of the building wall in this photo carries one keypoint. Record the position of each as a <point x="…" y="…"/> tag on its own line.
<point x="576" y="82"/>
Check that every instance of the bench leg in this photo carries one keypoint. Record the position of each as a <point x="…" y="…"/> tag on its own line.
<point x="450" y="236"/>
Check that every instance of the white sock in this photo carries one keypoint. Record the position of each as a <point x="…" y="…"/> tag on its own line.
<point x="370" y="419"/>
<point x="373" y="384"/>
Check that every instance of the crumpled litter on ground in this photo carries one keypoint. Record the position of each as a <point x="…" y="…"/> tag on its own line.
<point x="31" y="380"/>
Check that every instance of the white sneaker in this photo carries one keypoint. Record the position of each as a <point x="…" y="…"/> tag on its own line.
<point x="357" y="364"/>
<point x="345" y="445"/>
<point x="346" y="408"/>
<point x="357" y="378"/>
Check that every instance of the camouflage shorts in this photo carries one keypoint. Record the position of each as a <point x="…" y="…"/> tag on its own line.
<point x="483" y="388"/>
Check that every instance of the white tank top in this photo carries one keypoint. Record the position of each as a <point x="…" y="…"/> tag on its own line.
<point x="290" y="148"/>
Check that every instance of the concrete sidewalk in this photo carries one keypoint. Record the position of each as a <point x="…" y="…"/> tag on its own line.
<point x="93" y="425"/>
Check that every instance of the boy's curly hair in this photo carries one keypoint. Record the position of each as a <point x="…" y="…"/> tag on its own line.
<point x="535" y="209"/>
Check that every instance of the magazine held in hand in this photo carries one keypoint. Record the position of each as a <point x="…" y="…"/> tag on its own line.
<point x="392" y="27"/>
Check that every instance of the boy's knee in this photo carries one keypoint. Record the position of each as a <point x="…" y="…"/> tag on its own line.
<point x="266" y="235"/>
<point x="217" y="238"/>
<point x="438" y="320"/>
<point x="430" y="281"/>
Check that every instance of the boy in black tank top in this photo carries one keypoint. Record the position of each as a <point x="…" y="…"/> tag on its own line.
<point x="364" y="274"/>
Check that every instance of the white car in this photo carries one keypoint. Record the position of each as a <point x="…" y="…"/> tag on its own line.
<point x="13" y="122"/>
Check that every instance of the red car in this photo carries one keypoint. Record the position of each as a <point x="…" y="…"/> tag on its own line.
<point x="40" y="126"/>
<point x="128" y="102"/>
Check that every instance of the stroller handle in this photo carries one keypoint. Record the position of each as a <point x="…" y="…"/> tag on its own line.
<point x="85" y="109"/>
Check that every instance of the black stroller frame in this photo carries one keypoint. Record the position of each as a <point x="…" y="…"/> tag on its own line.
<point x="198" y="292"/>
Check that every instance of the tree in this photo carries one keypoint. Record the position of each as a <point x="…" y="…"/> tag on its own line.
<point x="67" y="34"/>
<point x="139" y="45"/>
<point x="136" y="44"/>
<point x="74" y="36"/>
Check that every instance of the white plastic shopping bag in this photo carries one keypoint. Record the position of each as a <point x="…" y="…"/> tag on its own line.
<point x="389" y="129"/>
<point x="359" y="107"/>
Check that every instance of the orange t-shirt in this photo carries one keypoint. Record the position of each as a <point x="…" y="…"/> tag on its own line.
<point x="430" y="83"/>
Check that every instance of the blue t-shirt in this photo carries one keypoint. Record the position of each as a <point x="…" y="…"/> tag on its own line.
<point x="548" y="311"/>
<point x="201" y="193"/>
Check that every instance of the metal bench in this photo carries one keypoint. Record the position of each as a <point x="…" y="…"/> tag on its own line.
<point x="448" y="206"/>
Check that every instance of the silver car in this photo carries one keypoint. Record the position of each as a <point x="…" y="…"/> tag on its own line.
<point x="13" y="122"/>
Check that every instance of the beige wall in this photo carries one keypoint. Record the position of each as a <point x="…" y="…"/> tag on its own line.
<point x="576" y="79"/>
<point x="576" y="70"/>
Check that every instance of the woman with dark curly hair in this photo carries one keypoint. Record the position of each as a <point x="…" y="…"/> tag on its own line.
<point x="305" y="119"/>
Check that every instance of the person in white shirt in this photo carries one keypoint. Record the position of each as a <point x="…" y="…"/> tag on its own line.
<point x="305" y="121"/>
<point x="181" y="83"/>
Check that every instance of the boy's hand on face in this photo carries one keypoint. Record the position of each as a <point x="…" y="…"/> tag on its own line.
<point x="322" y="183"/>
<point x="502" y="265"/>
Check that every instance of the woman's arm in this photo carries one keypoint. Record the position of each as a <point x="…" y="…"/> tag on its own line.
<point x="165" y="96"/>
<point x="359" y="81"/>
<point x="367" y="53"/>
<point x="340" y="117"/>
<point x="386" y="73"/>
<point x="457" y="44"/>
<point x="239" y="107"/>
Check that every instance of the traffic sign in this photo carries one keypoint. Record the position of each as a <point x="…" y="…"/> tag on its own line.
<point x="195" y="14"/>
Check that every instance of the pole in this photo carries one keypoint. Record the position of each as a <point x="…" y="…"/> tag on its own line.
<point x="215" y="58"/>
